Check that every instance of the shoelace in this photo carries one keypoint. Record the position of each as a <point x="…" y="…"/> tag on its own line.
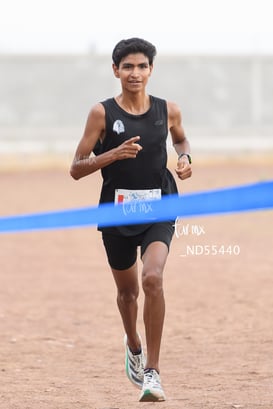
<point x="151" y="379"/>
<point x="138" y="361"/>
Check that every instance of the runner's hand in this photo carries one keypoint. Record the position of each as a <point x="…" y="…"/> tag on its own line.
<point x="183" y="168"/>
<point x="128" y="149"/>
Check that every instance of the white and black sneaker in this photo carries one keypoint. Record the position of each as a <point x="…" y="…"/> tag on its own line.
<point x="152" y="390"/>
<point x="134" y="365"/>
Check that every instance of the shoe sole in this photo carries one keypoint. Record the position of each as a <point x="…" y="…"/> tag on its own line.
<point x="148" y="396"/>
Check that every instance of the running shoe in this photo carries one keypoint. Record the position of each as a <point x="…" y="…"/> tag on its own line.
<point x="152" y="390"/>
<point x="134" y="365"/>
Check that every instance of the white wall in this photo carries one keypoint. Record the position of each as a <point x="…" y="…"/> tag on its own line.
<point x="44" y="100"/>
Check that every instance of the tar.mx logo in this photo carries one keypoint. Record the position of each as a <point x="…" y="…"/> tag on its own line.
<point x="182" y="229"/>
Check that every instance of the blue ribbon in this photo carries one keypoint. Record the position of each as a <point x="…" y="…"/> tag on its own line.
<point x="252" y="197"/>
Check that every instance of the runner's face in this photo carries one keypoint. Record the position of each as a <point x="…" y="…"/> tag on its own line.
<point x="133" y="71"/>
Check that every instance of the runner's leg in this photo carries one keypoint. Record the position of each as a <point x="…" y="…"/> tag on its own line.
<point x="154" y="260"/>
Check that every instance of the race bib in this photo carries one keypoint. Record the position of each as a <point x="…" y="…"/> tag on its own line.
<point x="126" y="195"/>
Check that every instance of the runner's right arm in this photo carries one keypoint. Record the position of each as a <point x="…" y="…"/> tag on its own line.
<point x="84" y="163"/>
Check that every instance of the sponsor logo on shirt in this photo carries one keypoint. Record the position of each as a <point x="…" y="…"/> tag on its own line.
<point x="118" y="126"/>
<point x="159" y="122"/>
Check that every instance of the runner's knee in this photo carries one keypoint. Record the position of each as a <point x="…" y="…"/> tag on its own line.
<point x="127" y="296"/>
<point x="152" y="282"/>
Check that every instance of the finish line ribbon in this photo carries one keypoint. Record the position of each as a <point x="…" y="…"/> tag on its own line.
<point x="252" y="197"/>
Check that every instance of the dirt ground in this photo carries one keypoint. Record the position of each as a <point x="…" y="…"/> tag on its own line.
<point x="61" y="335"/>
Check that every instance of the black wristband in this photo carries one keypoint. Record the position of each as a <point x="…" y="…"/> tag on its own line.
<point x="186" y="154"/>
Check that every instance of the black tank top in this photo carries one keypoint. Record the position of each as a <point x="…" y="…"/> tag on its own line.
<point x="148" y="170"/>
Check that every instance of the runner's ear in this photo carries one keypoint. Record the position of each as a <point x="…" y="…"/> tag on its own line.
<point x="115" y="70"/>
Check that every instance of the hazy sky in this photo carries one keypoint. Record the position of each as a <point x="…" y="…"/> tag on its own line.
<point x="183" y="26"/>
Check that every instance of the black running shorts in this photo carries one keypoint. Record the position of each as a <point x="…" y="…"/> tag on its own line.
<point x="122" y="250"/>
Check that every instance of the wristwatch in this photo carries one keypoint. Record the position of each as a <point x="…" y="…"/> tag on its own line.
<point x="186" y="154"/>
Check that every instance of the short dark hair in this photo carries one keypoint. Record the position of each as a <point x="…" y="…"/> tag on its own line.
<point x="132" y="46"/>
